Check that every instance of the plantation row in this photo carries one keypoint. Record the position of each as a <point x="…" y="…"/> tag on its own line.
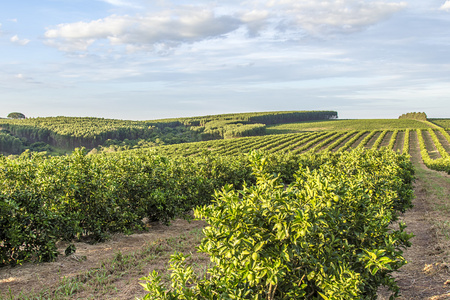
<point x="46" y="199"/>
<point x="434" y="149"/>
<point x="324" y="236"/>
<point x="296" y="143"/>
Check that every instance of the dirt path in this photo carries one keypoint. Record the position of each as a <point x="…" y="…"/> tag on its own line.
<point x="426" y="276"/>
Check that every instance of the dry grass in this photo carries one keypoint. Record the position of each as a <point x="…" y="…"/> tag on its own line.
<point x="109" y="270"/>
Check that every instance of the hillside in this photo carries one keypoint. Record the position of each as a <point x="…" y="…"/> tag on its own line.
<point x="68" y="133"/>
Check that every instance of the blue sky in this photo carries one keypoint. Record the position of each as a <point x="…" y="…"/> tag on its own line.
<point x="151" y="59"/>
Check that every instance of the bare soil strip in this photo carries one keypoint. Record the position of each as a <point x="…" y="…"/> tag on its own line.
<point x="358" y="141"/>
<point x="386" y="139"/>
<point x="372" y="140"/>
<point x="429" y="144"/>
<point x="399" y="141"/>
<point x="443" y="141"/>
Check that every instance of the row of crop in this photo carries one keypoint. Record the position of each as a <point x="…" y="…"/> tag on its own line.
<point x="406" y="141"/>
<point x="438" y="144"/>
<point x="293" y="142"/>
<point x="238" y="147"/>
<point x="439" y="164"/>
<point x="445" y="134"/>
<point x="380" y="138"/>
<point x="308" y="138"/>
<point x="319" y="146"/>
<point x="339" y="141"/>
<point x="367" y="138"/>
<point x="45" y="199"/>
<point x="393" y="140"/>
<point x="298" y="143"/>
<point x="325" y="236"/>
<point x="352" y="141"/>
<point x="283" y="145"/>
<point x="318" y="139"/>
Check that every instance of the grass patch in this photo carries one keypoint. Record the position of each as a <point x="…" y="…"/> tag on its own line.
<point x="436" y="188"/>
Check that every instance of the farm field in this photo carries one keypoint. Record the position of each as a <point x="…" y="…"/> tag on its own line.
<point x="428" y="146"/>
<point x="444" y="123"/>
<point x="313" y="141"/>
<point x="334" y="125"/>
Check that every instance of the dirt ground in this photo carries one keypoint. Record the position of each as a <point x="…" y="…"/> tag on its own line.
<point x="427" y="274"/>
<point x="33" y="277"/>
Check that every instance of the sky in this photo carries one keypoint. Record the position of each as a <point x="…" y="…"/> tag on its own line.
<point x="154" y="59"/>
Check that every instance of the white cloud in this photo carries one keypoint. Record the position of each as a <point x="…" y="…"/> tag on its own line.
<point x="256" y="20"/>
<point x="15" y="39"/>
<point x="445" y="6"/>
<point x="115" y="2"/>
<point x="162" y="31"/>
<point x="121" y="3"/>
<point x="171" y="28"/>
<point x="336" y="15"/>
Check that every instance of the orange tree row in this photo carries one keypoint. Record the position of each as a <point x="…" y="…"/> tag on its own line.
<point x="439" y="164"/>
<point x="282" y="143"/>
<point x="327" y="235"/>
<point x="46" y="199"/>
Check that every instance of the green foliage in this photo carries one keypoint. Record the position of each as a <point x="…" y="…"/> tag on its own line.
<point x="440" y="164"/>
<point x="392" y="140"/>
<point x="325" y="236"/>
<point x="69" y="132"/>
<point x="367" y="138"/>
<point x="421" y="116"/>
<point x="46" y="199"/>
<point x="40" y="147"/>
<point x="16" y="115"/>
<point x="10" y="144"/>
<point x="352" y="141"/>
<point x="406" y="141"/>
<point x="380" y="138"/>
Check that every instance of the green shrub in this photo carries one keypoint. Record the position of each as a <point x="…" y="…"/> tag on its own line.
<point x="325" y="236"/>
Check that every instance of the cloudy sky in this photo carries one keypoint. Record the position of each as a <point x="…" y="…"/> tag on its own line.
<point x="151" y="59"/>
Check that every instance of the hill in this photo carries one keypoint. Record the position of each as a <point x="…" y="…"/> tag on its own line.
<point x="69" y="133"/>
